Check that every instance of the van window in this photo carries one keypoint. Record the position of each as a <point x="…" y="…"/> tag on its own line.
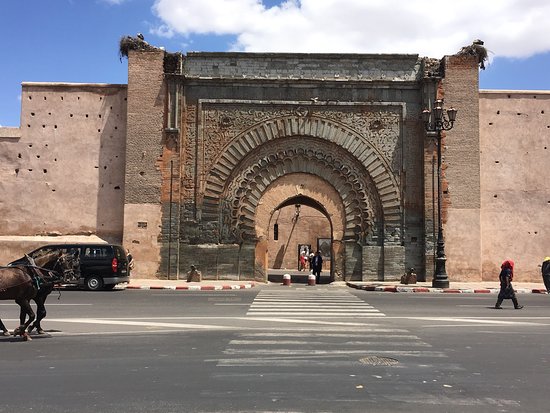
<point x="97" y="252"/>
<point x="43" y="252"/>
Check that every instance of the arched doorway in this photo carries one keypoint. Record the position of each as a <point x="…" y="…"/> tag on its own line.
<point x="298" y="226"/>
<point x="320" y="205"/>
<point x="327" y="165"/>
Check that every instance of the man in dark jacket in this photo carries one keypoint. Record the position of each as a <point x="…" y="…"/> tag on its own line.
<point x="546" y="273"/>
<point x="317" y="266"/>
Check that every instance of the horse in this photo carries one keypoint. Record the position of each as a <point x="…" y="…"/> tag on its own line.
<point x="31" y="282"/>
<point x="16" y="284"/>
<point x="54" y="268"/>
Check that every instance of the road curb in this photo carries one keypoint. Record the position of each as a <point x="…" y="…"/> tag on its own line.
<point x="191" y="287"/>
<point x="411" y="289"/>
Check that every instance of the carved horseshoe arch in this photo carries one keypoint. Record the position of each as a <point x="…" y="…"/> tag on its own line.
<point x="310" y="145"/>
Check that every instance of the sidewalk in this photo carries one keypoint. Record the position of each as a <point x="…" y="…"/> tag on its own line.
<point x="483" y="287"/>
<point x="488" y="287"/>
<point x="206" y="285"/>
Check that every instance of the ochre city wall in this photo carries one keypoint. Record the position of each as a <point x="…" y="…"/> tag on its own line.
<point x="515" y="181"/>
<point x="62" y="171"/>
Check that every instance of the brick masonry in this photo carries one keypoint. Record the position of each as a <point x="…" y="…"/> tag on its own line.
<point x="462" y="169"/>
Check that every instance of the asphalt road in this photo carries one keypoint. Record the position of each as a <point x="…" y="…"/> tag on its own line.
<point x="279" y="349"/>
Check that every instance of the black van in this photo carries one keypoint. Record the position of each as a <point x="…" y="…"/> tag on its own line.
<point x="97" y="266"/>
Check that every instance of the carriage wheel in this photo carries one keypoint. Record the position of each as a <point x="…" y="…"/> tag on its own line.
<point x="94" y="283"/>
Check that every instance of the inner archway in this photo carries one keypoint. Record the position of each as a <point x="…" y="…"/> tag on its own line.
<point x="298" y="228"/>
<point x="298" y="210"/>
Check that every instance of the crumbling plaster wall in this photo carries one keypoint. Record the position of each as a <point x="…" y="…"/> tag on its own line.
<point x="62" y="173"/>
<point x="515" y="181"/>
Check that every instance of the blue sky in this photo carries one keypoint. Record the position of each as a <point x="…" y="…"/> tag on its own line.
<point x="77" y="40"/>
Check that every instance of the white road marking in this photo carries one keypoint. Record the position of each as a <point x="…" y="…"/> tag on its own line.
<point x="306" y="302"/>
<point x="138" y="323"/>
<point x="320" y="343"/>
<point x="352" y="310"/>
<point x="317" y="315"/>
<point x="51" y="304"/>
<point x="473" y="320"/>
<point x="317" y="352"/>
<point x="302" y="321"/>
<point x="346" y="334"/>
<point x="246" y="304"/>
<point x="309" y="304"/>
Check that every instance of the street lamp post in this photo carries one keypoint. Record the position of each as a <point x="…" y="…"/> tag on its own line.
<point x="436" y="121"/>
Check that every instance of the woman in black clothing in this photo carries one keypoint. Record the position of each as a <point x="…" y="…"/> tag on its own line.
<point x="546" y="273"/>
<point x="506" y="288"/>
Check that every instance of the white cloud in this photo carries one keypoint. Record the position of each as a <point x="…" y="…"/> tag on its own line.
<point x="162" y="31"/>
<point x="511" y="28"/>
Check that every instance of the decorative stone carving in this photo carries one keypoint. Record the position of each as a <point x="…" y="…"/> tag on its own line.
<point x="301" y="111"/>
<point x="189" y="149"/>
<point x="379" y="125"/>
<point x="353" y="148"/>
<point x="263" y="166"/>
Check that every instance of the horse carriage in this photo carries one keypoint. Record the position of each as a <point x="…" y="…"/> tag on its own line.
<point x="34" y="280"/>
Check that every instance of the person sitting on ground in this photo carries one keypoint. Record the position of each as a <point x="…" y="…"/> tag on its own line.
<point x="194" y="275"/>
<point x="409" y="277"/>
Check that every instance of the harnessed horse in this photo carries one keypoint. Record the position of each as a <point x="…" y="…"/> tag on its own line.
<point x="24" y="283"/>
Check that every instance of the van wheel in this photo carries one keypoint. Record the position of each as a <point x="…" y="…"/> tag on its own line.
<point x="94" y="283"/>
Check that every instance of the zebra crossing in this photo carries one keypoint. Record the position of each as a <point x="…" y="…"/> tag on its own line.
<point x="324" y="346"/>
<point x="338" y="329"/>
<point x="322" y="303"/>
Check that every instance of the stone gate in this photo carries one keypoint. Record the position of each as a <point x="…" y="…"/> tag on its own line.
<point x="235" y="162"/>
<point x="226" y="140"/>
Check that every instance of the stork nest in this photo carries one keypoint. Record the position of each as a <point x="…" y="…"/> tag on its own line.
<point x="476" y="49"/>
<point x="128" y="43"/>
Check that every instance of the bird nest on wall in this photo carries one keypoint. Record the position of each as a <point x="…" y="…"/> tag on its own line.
<point x="128" y="43"/>
<point x="476" y="49"/>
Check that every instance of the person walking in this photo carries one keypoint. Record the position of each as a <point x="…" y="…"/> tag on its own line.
<point x="303" y="261"/>
<point x="546" y="273"/>
<point x="506" y="289"/>
<point x="317" y="266"/>
<point x="130" y="259"/>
